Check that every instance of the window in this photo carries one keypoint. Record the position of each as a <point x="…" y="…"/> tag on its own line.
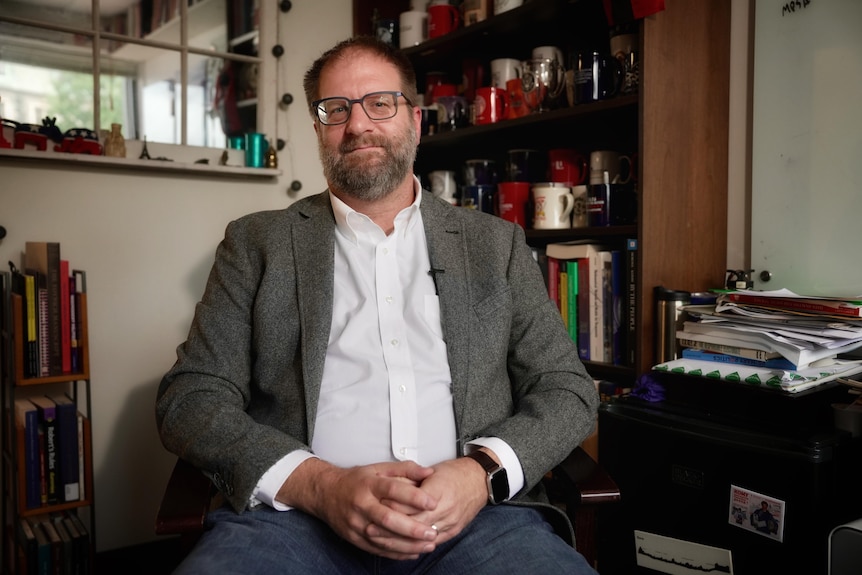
<point x="170" y="71"/>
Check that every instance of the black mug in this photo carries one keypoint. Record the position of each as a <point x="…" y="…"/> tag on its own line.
<point x="597" y="76"/>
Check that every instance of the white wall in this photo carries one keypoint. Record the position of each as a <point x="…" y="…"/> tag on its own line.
<point x="147" y="244"/>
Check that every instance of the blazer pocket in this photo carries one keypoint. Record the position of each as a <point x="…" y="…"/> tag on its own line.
<point x="494" y="302"/>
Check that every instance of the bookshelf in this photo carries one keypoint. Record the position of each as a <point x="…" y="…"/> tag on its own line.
<point x="68" y="507"/>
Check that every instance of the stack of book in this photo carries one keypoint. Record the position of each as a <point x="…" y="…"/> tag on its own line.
<point x="776" y="338"/>
<point x="54" y="543"/>
<point x="50" y="293"/>
<point x="593" y="286"/>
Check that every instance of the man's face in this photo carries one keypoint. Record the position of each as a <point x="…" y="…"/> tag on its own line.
<point x="363" y="158"/>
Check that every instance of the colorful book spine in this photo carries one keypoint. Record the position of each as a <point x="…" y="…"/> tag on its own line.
<point x="48" y="422"/>
<point x="67" y="440"/>
<point x="27" y="420"/>
<point x="572" y="298"/>
<point x="845" y="308"/>
<point x="703" y="355"/>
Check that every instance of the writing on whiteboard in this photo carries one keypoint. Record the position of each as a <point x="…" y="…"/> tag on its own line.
<point x="794" y="6"/>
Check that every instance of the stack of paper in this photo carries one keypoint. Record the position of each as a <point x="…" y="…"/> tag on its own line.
<point x="776" y="338"/>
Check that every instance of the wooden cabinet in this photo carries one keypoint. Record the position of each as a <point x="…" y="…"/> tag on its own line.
<point x="28" y="496"/>
<point x="675" y="126"/>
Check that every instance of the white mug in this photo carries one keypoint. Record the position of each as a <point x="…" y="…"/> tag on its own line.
<point x="503" y="70"/>
<point x="549" y="53"/>
<point x="501" y="6"/>
<point x="412" y="28"/>
<point x="443" y="185"/>
<point x="552" y="206"/>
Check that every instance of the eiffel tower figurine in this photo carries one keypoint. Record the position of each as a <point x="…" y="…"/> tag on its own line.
<point x="145" y="155"/>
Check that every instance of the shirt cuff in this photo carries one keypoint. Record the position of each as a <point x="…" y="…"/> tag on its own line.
<point x="267" y="487"/>
<point x="507" y="458"/>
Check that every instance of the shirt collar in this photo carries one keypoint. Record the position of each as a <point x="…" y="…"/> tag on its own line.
<point x="351" y="223"/>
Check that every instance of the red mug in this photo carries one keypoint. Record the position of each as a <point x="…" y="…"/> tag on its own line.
<point x="567" y="166"/>
<point x="490" y="105"/>
<point x="517" y="101"/>
<point x="442" y="19"/>
<point x="513" y="198"/>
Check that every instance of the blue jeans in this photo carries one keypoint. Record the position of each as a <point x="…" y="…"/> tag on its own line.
<point x="501" y="539"/>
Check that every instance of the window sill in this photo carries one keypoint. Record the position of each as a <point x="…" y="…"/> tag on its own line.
<point x="136" y="165"/>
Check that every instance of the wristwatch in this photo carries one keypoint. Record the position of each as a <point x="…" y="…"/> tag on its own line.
<point x="498" y="479"/>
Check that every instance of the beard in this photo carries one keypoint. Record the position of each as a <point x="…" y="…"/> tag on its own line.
<point x="369" y="178"/>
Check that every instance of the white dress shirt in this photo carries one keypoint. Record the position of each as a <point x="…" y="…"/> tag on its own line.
<point x="386" y="388"/>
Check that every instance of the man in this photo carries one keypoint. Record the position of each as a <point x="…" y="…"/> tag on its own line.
<point x="371" y="370"/>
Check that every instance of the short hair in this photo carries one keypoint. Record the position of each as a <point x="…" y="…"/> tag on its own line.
<point x="311" y="82"/>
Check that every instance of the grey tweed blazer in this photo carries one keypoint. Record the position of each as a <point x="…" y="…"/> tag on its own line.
<point x="244" y="389"/>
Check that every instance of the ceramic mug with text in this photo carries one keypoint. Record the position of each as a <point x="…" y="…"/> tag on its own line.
<point x="490" y="105"/>
<point x="442" y="19"/>
<point x="513" y="200"/>
<point x="609" y="167"/>
<point x="552" y="206"/>
<point x="412" y="28"/>
<point x="503" y="70"/>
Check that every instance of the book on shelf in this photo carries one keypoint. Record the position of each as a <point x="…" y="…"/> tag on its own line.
<point x="43" y="336"/>
<point x="617" y="323"/>
<point x="631" y="300"/>
<point x="789" y="301"/>
<point x="43" y="549"/>
<point x="584" y="308"/>
<point x="572" y="298"/>
<point x="703" y="355"/>
<point x="67" y="545"/>
<point x="48" y="424"/>
<point x="65" y="319"/>
<point x="28" y="548"/>
<point x="67" y="446"/>
<point x="590" y="251"/>
<point x="43" y="522"/>
<point x="27" y="422"/>
<point x="44" y="257"/>
<point x="603" y="321"/>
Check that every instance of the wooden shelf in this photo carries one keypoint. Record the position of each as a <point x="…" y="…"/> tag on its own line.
<point x="134" y="164"/>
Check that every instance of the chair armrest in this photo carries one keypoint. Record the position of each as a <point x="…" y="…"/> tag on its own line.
<point x="584" y="480"/>
<point x="186" y="501"/>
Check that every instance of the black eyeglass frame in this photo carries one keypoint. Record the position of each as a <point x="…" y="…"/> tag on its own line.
<point x="315" y="106"/>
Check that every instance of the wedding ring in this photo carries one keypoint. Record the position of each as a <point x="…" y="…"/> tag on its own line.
<point x="434" y="527"/>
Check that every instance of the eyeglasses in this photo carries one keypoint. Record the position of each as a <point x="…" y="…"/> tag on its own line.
<point x="377" y="106"/>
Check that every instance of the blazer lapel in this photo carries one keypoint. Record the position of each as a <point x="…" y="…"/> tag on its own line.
<point x="446" y="249"/>
<point x="313" y="249"/>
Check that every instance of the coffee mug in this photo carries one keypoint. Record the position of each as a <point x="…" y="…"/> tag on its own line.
<point x="501" y="6"/>
<point x="442" y="19"/>
<point x="610" y="205"/>
<point x="567" y="166"/>
<point x="480" y="172"/>
<point x="517" y="101"/>
<point x="443" y="185"/>
<point x="513" y="199"/>
<point x="543" y="83"/>
<point x="552" y="206"/>
<point x="624" y="49"/>
<point x="433" y="80"/>
<point x="610" y="167"/>
<point x="579" y="212"/>
<point x="386" y="30"/>
<point x="503" y="70"/>
<point x="596" y="76"/>
<point x="476" y="11"/>
<point x="490" y="105"/>
<point x="412" y="28"/>
<point x="479" y="197"/>
<point x="453" y="112"/>
<point x="526" y="165"/>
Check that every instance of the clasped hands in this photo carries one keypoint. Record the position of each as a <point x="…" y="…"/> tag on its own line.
<point x="397" y="510"/>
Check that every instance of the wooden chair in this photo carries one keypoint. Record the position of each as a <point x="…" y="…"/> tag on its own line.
<point x="579" y="485"/>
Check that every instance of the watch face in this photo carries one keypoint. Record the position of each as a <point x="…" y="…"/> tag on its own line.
<point x="499" y="485"/>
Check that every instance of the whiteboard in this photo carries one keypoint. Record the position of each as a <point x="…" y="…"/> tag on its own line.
<point x="806" y="188"/>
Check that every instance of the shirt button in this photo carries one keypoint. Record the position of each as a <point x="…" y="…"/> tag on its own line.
<point x="394" y="342"/>
<point x="385" y="251"/>
<point x="389" y="299"/>
<point x="402" y="451"/>
<point x="402" y="388"/>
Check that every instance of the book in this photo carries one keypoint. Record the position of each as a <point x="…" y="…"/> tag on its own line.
<point x="43" y="337"/>
<point x="43" y="549"/>
<point x="787" y="300"/>
<point x="75" y="359"/>
<point x="584" y="308"/>
<point x="684" y="340"/>
<point x="703" y="355"/>
<point x="31" y="348"/>
<point x="28" y="547"/>
<point x="67" y="445"/>
<point x="563" y="291"/>
<point x="48" y="423"/>
<point x="44" y="257"/>
<point x="554" y="280"/>
<point x="631" y="300"/>
<point x="618" y="330"/>
<point x="67" y="545"/>
<point x="43" y="521"/>
<point x="65" y="319"/>
<point x="79" y="277"/>
<point x="600" y="335"/>
<point x="83" y="542"/>
<point x="27" y="421"/>
<point x="572" y="298"/>
<point x="586" y="249"/>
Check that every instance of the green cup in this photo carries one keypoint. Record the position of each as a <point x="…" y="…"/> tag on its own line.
<point x="255" y="149"/>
